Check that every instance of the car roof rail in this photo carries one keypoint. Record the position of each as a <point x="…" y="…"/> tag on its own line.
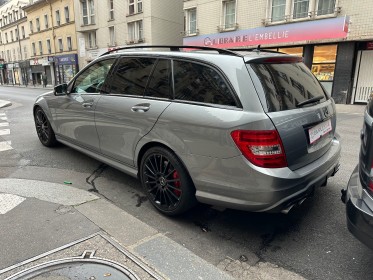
<point x="176" y="48"/>
<point x="257" y="49"/>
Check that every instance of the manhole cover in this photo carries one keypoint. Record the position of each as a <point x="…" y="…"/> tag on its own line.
<point x="85" y="267"/>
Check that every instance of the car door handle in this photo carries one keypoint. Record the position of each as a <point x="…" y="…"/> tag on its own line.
<point x="141" y="108"/>
<point x="87" y="105"/>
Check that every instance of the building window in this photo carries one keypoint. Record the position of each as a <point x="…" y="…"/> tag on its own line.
<point x="69" y="44"/>
<point x="46" y="24"/>
<point x="325" y="7"/>
<point x="229" y="14"/>
<point x="91" y="38"/>
<point x="134" y="6"/>
<point x="67" y="14"/>
<point x="278" y="10"/>
<point x="58" y="18"/>
<point x="135" y="32"/>
<point x="16" y="33"/>
<point x="301" y="8"/>
<point x="40" y="47"/>
<point x="111" y="9"/>
<point x="88" y="11"/>
<point x="191" y="22"/>
<point x="112" y="36"/>
<point x="37" y="24"/>
<point x="23" y="32"/>
<point x="11" y="36"/>
<point x="49" y="48"/>
<point x="31" y="27"/>
<point x="25" y="51"/>
<point x="6" y="37"/>
<point x="33" y="49"/>
<point x="60" y="44"/>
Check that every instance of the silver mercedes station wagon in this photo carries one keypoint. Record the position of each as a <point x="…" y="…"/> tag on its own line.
<point x="250" y="130"/>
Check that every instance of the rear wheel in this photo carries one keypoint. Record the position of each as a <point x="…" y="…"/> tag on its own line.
<point x="44" y="129"/>
<point x="166" y="182"/>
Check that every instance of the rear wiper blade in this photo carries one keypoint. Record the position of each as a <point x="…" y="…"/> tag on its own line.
<point x="309" y="101"/>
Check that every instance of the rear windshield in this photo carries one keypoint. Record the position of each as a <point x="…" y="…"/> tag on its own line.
<point x="287" y="85"/>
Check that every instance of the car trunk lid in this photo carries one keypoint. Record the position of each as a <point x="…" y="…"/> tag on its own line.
<point x="298" y="106"/>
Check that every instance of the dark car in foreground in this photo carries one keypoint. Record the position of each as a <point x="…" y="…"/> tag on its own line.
<point x="249" y="130"/>
<point x="359" y="193"/>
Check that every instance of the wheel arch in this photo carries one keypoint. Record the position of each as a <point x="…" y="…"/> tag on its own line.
<point x="152" y="144"/>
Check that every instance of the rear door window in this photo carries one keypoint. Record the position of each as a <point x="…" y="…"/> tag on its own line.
<point x="160" y="81"/>
<point x="287" y="85"/>
<point x="199" y="83"/>
<point x="131" y="75"/>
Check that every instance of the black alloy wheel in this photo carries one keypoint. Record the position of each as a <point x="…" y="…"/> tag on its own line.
<point x="44" y="129"/>
<point x="166" y="182"/>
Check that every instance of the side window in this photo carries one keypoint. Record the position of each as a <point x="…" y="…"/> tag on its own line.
<point x="199" y="83"/>
<point x="93" y="78"/>
<point x="160" y="82"/>
<point x="131" y="75"/>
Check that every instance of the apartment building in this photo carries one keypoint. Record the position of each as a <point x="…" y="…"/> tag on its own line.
<point x="335" y="37"/>
<point x="14" y="49"/>
<point x="108" y="24"/>
<point x="52" y="39"/>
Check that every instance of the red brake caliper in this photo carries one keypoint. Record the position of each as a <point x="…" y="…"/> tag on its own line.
<point x="177" y="184"/>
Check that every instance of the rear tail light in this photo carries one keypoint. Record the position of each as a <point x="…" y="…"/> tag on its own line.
<point x="261" y="147"/>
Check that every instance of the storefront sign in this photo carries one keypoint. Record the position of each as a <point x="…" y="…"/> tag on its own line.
<point x="67" y="59"/>
<point x="39" y="61"/>
<point x="10" y="65"/>
<point x="294" y="32"/>
<point x="2" y="66"/>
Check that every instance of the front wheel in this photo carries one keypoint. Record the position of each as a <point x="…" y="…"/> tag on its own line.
<point x="44" y="129"/>
<point x="166" y="182"/>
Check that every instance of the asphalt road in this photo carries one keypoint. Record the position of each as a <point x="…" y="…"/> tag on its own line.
<point x="312" y="240"/>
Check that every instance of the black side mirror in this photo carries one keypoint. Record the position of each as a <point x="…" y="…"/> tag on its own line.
<point x="60" y="89"/>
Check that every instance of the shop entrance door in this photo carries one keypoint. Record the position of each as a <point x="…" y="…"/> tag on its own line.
<point x="363" y="82"/>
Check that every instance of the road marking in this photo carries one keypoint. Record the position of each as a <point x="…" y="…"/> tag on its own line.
<point x="3" y="118"/>
<point x="9" y="201"/>
<point x="4" y="132"/>
<point x="2" y="114"/>
<point x="5" y="146"/>
<point x="4" y="124"/>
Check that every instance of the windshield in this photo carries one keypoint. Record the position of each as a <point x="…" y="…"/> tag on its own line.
<point x="287" y="85"/>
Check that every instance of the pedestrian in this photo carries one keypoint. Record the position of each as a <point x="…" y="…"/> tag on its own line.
<point x="45" y="80"/>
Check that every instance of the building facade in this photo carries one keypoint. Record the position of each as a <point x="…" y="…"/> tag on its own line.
<point x="14" y="48"/>
<point x="335" y="37"/>
<point x="108" y="24"/>
<point x="52" y="40"/>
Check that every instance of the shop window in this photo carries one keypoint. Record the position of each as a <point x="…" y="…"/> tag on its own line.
<point x="297" y="51"/>
<point x="323" y="65"/>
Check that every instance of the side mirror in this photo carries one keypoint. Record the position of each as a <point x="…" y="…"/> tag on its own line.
<point x="60" y="89"/>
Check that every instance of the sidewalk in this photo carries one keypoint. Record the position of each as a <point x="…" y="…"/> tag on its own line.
<point x="28" y="86"/>
<point x="46" y="224"/>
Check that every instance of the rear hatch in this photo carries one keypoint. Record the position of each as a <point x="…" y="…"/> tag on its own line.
<point x="366" y="150"/>
<point x="298" y="106"/>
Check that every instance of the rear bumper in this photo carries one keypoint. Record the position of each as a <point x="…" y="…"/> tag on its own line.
<point x="241" y="185"/>
<point x="359" y="210"/>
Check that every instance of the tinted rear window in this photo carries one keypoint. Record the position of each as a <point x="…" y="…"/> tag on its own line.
<point x="286" y="85"/>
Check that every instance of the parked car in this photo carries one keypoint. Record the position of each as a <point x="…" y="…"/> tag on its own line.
<point x="249" y="130"/>
<point x="359" y="193"/>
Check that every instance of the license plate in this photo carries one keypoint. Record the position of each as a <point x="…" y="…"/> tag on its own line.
<point x="319" y="130"/>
